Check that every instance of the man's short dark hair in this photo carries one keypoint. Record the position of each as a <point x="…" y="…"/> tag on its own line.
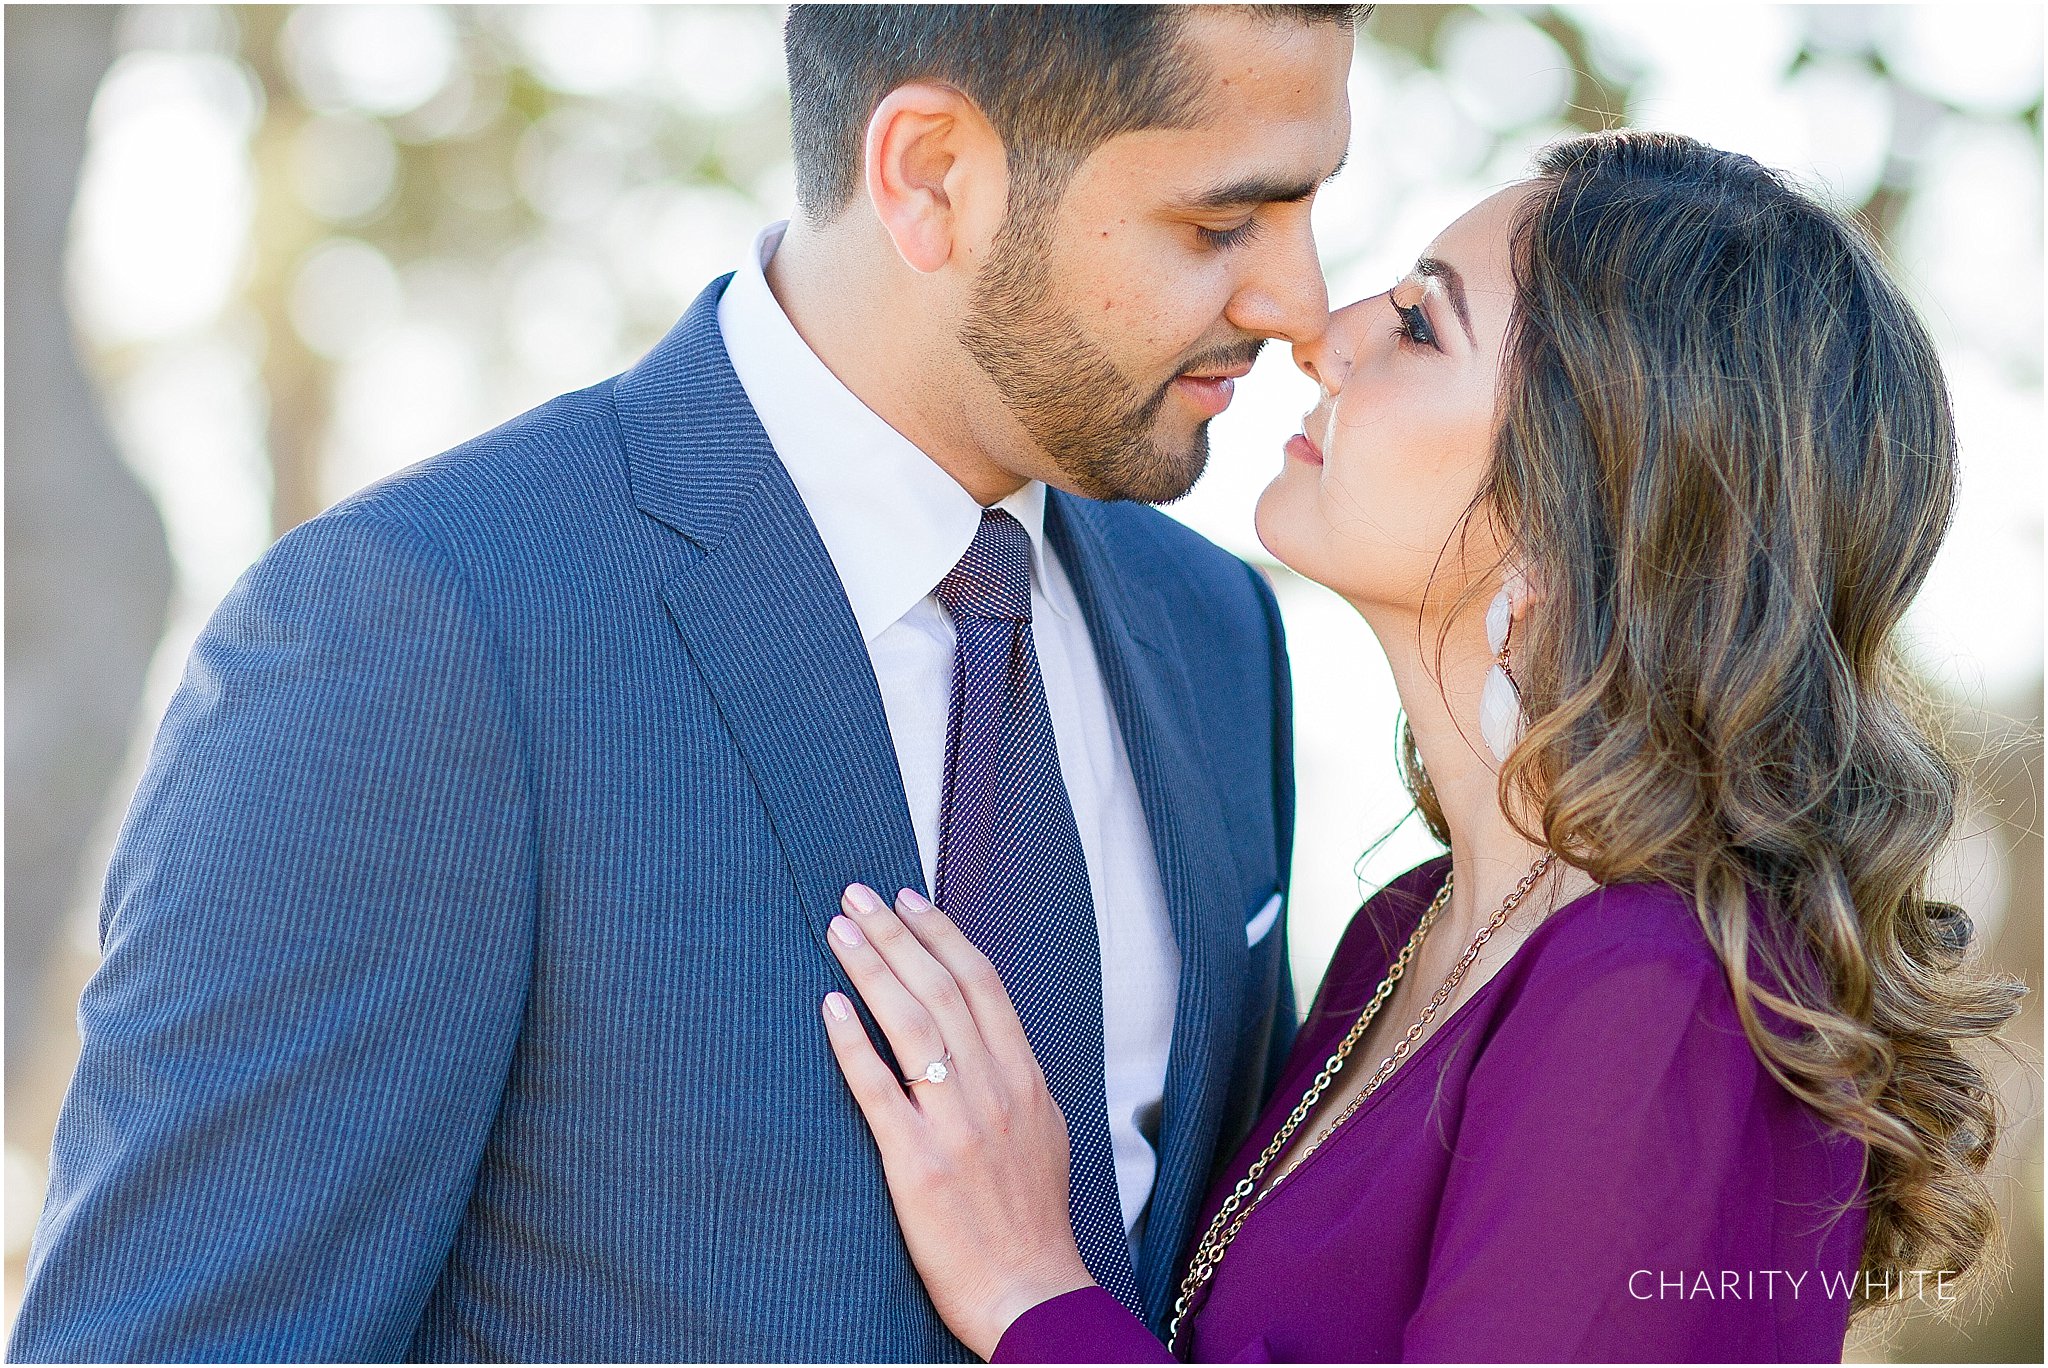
<point x="1056" y="81"/>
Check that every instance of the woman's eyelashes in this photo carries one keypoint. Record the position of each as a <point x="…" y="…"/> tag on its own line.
<point x="1414" y="324"/>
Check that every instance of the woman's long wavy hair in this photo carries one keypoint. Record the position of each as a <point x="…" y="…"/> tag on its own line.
<point x="1726" y="457"/>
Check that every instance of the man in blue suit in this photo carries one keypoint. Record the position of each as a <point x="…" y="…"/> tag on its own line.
<point x="465" y="940"/>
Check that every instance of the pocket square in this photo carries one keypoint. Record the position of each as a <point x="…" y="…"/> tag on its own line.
<point x="1255" y="930"/>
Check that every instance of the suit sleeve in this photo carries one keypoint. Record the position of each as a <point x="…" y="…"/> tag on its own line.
<point x="1286" y="1018"/>
<point x="317" y="939"/>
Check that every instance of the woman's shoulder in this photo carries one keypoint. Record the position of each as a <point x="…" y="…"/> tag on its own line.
<point x="1619" y="1008"/>
<point x="1612" y="928"/>
<point x="1628" y="952"/>
<point x="1639" y="948"/>
<point x="1627" y="929"/>
<point x="1632" y="965"/>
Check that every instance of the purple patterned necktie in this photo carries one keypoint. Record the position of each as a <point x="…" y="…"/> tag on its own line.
<point x="1012" y="873"/>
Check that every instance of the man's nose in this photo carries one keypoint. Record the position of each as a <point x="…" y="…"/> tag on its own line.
<point x="1286" y="297"/>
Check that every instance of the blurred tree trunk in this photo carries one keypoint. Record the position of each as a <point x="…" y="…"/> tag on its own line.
<point x="89" y="572"/>
<point x="298" y="382"/>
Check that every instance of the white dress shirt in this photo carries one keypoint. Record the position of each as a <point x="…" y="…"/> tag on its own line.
<point x="894" y="523"/>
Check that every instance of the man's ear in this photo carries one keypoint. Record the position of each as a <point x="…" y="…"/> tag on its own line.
<point x="935" y="173"/>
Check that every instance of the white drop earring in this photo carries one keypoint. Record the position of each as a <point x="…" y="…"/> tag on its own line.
<point x="1501" y="718"/>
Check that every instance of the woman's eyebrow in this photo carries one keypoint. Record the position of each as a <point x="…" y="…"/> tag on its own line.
<point x="1454" y="285"/>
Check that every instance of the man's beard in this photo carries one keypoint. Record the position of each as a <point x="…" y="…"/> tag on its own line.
<point x="1094" y="423"/>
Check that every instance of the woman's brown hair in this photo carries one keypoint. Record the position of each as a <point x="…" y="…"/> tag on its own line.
<point x="1726" y="456"/>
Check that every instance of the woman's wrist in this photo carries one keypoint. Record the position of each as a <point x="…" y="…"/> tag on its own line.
<point x="1018" y="1295"/>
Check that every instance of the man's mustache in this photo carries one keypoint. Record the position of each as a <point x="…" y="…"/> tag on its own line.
<point x="1223" y="358"/>
<point x="1235" y="354"/>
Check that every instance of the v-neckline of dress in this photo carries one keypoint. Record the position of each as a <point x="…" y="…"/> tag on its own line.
<point x="1458" y="1014"/>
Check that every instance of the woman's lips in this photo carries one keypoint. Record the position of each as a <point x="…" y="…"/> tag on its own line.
<point x="1302" y="449"/>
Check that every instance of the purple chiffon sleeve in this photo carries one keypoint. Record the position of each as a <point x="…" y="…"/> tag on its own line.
<point x="1621" y="1136"/>
<point x="1086" y="1325"/>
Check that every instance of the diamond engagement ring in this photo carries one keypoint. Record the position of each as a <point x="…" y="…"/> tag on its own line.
<point x="934" y="1072"/>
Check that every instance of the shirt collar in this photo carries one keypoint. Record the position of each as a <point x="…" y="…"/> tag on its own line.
<point x="892" y="520"/>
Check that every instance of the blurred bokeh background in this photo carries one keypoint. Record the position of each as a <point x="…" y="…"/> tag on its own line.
<point x="260" y="256"/>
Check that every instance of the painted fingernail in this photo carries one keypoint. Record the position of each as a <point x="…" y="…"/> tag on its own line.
<point x="864" y="899"/>
<point x="914" y="901"/>
<point x="846" y="931"/>
<point x="838" y="1006"/>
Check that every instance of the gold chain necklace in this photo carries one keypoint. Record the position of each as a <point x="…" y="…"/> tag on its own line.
<point x="1231" y="1216"/>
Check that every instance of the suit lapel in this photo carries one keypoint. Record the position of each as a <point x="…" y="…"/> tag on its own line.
<point x="766" y="620"/>
<point x="1142" y="667"/>
<point x="768" y="627"/>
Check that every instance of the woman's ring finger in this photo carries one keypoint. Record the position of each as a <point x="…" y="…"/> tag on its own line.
<point x="938" y="1071"/>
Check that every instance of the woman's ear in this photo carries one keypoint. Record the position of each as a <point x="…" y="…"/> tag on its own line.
<point x="932" y="163"/>
<point x="1522" y="589"/>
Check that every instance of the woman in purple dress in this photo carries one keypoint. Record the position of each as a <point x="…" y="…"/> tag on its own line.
<point x="1632" y="477"/>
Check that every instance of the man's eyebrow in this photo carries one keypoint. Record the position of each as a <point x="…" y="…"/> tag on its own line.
<point x="1454" y="285"/>
<point x="1261" y="190"/>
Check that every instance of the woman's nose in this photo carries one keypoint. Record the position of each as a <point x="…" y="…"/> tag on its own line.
<point x="1327" y="358"/>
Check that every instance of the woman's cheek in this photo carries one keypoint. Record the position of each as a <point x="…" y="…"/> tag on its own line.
<point x="1361" y="475"/>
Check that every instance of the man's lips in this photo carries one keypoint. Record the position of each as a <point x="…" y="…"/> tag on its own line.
<point x="1220" y="372"/>
<point x="1210" y="390"/>
<point x="1209" y="393"/>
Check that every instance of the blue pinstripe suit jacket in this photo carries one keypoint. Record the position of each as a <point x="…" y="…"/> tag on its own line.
<point x="464" y="941"/>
